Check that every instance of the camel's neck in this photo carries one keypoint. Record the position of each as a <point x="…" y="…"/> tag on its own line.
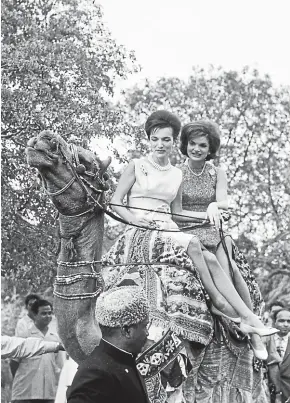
<point x="76" y="322"/>
<point x="84" y="234"/>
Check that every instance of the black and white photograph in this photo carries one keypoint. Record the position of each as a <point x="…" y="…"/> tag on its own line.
<point x="145" y="201"/>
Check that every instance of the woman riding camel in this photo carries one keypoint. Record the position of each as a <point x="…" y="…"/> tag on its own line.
<point x="153" y="188"/>
<point x="204" y="190"/>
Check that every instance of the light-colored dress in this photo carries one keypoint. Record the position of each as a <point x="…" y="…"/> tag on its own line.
<point x="155" y="190"/>
<point x="159" y="262"/>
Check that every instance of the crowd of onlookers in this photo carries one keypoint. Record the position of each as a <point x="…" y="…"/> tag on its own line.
<point x="37" y="357"/>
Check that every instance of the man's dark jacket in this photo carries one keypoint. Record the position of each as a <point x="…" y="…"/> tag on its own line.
<point x="279" y="368"/>
<point x="108" y="375"/>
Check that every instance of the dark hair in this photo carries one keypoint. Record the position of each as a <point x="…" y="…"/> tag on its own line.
<point x="201" y="128"/>
<point x="160" y="120"/>
<point x="29" y="297"/>
<point x="277" y="303"/>
<point x="39" y="303"/>
<point x="275" y="314"/>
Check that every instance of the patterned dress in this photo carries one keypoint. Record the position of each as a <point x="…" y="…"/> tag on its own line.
<point x="198" y="192"/>
<point x="225" y="373"/>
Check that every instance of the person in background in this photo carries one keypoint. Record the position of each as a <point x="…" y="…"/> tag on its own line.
<point x="278" y="347"/>
<point x="109" y="374"/>
<point x="65" y="380"/>
<point x="273" y="308"/>
<point x="36" y="378"/>
<point x="18" y="347"/>
<point x="23" y="325"/>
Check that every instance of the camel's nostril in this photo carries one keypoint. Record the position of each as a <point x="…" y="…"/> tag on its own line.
<point x="81" y="169"/>
<point x="53" y="145"/>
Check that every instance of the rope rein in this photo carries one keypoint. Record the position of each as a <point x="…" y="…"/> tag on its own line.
<point x="78" y="170"/>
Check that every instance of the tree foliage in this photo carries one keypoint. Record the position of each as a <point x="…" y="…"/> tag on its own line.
<point x="59" y="65"/>
<point x="254" y="119"/>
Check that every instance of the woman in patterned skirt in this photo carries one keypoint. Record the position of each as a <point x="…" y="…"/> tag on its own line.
<point x="176" y="290"/>
<point x="205" y="190"/>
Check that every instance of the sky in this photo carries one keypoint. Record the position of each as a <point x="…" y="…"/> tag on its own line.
<point x="170" y="36"/>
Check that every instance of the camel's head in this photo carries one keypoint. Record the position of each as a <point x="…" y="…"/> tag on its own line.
<point x="60" y="164"/>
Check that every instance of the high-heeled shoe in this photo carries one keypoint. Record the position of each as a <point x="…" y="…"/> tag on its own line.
<point x="215" y="311"/>
<point x="261" y="354"/>
<point x="261" y="331"/>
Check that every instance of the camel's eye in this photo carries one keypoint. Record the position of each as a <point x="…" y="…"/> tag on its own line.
<point x="53" y="144"/>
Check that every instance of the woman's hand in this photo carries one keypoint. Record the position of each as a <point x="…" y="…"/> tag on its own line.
<point x="214" y="215"/>
<point x="142" y="222"/>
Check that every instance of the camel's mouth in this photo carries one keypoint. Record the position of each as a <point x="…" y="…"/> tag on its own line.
<point x="37" y="158"/>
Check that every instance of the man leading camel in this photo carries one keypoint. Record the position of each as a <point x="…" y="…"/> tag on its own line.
<point x="109" y="374"/>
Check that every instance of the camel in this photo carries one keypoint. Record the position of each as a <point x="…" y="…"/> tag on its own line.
<point x="74" y="179"/>
<point x="81" y="231"/>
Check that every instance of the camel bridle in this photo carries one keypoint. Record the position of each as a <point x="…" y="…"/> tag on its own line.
<point x="94" y="194"/>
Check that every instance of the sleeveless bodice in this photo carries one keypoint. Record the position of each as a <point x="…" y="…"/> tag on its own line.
<point x="153" y="189"/>
<point x="198" y="191"/>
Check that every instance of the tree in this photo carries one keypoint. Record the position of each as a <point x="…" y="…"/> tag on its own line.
<point x="254" y="120"/>
<point x="59" y="65"/>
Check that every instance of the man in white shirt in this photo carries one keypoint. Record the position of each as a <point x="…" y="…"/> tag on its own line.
<point x="25" y="323"/>
<point x="36" y="378"/>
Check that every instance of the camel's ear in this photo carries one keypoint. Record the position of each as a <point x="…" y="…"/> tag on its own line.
<point x="104" y="164"/>
<point x="91" y="160"/>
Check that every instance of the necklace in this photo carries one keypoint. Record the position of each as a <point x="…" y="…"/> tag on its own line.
<point x="191" y="170"/>
<point x="157" y="166"/>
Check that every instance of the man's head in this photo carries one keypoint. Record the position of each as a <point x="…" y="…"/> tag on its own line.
<point x="29" y="300"/>
<point x="275" y="306"/>
<point x="123" y="316"/>
<point x="282" y="321"/>
<point x="42" y="311"/>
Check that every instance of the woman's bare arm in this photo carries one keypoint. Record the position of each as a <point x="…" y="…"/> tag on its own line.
<point x="126" y="181"/>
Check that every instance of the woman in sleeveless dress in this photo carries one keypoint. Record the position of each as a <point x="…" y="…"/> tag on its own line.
<point x="177" y="299"/>
<point x="205" y="190"/>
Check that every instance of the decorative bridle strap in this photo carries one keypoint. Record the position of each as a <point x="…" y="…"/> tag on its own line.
<point x="88" y="295"/>
<point x="65" y="280"/>
<point x="61" y="190"/>
<point x="81" y="263"/>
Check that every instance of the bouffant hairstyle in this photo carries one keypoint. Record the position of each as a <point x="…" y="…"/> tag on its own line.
<point x="201" y="128"/>
<point x="160" y="120"/>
